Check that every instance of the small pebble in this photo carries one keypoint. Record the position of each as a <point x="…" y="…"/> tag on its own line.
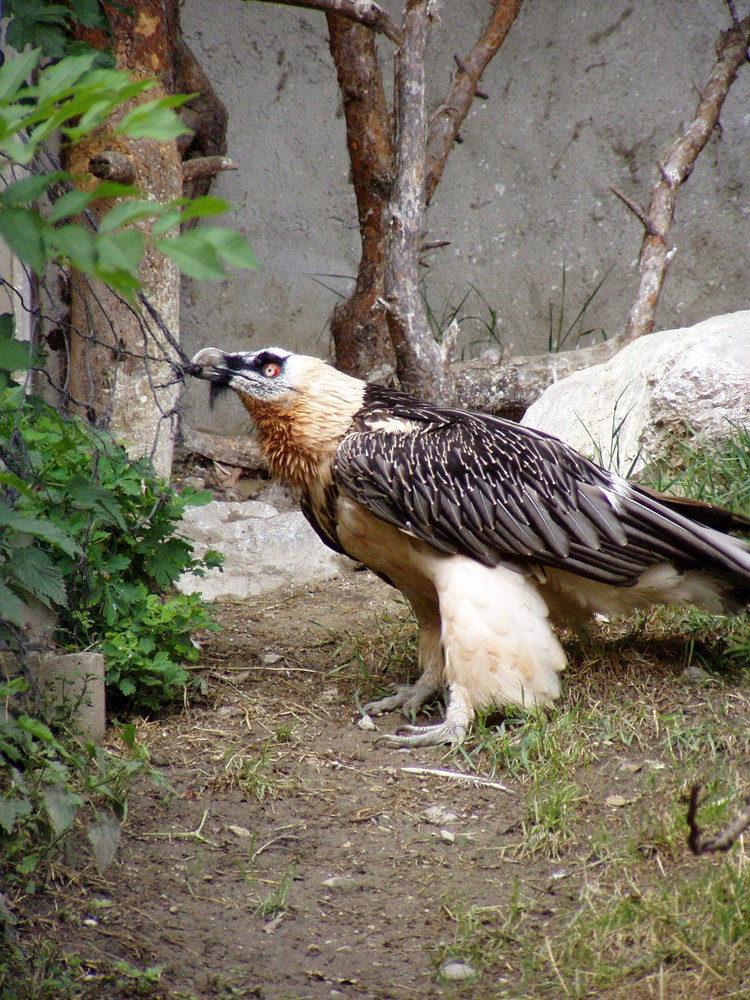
<point x="340" y="882"/>
<point x="447" y="836"/>
<point x="439" y="815"/>
<point x="366" y="723"/>
<point x="695" y="674"/>
<point x="455" y="971"/>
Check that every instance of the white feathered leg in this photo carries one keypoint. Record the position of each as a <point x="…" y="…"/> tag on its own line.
<point x="498" y="645"/>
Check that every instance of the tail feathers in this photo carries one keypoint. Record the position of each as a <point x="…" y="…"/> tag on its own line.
<point x="690" y="529"/>
<point x="703" y="513"/>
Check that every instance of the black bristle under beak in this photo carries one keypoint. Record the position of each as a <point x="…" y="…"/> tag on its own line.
<point x="216" y="389"/>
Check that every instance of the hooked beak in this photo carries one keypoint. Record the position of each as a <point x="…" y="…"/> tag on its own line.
<point x="209" y="364"/>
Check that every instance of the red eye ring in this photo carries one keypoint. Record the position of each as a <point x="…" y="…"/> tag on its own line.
<point x="271" y="370"/>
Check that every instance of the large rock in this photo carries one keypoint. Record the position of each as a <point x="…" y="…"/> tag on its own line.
<point x="630" y="411"/>
<point x="263" y="550"/>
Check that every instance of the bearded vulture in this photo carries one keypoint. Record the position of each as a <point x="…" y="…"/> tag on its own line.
<point x="488" y="528"/>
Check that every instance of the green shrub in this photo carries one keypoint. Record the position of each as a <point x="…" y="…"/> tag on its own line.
<point x="97" y="529"/>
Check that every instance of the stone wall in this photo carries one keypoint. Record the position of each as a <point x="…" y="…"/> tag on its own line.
<point x="583" y="95"/>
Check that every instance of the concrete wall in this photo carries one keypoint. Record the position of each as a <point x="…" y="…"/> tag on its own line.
<point x="583" y="95"/>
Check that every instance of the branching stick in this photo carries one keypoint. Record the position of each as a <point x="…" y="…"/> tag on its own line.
<point x="420" y="362"/>
<point x="675" y="167"/>
<point x="463" y="90"/>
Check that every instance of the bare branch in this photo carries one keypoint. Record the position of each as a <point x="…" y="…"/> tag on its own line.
<point x="113" y="166"/>
<point x="463" y="90"/>
<point x="206" y="166"/>
<point x="722" y="841"/>
<point x="675" y="168"/>
<point x="638" y="212"/>
<point x="363" y="11"/>
<point x="420" y="363"/>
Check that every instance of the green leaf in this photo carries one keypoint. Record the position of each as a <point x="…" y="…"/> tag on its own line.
<point x="33" y="569"/>
<point x="37" y="528"/>
<point x="55" y="80"/>
<point x="36" y="729"/>
<point x="71" y="203"/>
<point x="12" y="607"/>
<point x="75" y="243"/>
<point x="14" y="354"/>
<point x="230" y="245"/>
<point x="194" y="256"/>
<point x="154" y="120"/>
<point x="125" y="213"/>
<point x="29" y="189"/>
<point x="13" y="72"/>
<point x="120" y="252"/>
<point x="198" y="208"/>
<point x="90" y="14"/>
<point x="61" y="804"/>
<point x="11" y="810"/>
<point x="21" y="228"/>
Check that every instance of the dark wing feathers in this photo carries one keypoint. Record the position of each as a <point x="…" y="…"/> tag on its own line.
<point x="472" y="483"/>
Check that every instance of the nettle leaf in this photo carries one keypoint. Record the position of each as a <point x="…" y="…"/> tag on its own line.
<point x="33" y="569"/>
<point x="61" y="804"/>
<point x="38" y="528"/>
<point x="11" y="810"/>
<point x="12" y="608"/>
<point x="36" y="729"/>
<point x="104" y="837"/>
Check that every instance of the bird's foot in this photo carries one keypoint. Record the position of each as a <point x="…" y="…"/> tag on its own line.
<point x="410" y="698"/>
<point x="425" y="736"/>
<point x="453" y="730"/>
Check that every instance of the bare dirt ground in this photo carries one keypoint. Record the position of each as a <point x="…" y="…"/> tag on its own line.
<point x="295" y="857"/>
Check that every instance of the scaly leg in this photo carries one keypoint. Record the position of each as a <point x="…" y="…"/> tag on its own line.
<point x="453" y="730"/>
<point x="410" y="698"/>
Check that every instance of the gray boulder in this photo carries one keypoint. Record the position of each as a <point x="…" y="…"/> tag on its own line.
<point x="629" y="412"/>
<point x="263" y="550"/>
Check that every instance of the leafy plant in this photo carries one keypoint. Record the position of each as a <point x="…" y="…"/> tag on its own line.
<point x="48" y="25"/>
<point x="46" y="778"/>
<point x="97" y="535"/>
<point x="74" y="96"/>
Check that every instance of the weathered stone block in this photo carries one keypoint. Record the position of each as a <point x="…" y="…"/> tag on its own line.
<point x="263" y="550"/>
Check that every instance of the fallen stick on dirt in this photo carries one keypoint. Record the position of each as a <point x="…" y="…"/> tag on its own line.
<point x="471" y="779"/>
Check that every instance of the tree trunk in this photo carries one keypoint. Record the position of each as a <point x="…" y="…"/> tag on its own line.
<point x="359" y="328"/>
<point x="120" y="388"/>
